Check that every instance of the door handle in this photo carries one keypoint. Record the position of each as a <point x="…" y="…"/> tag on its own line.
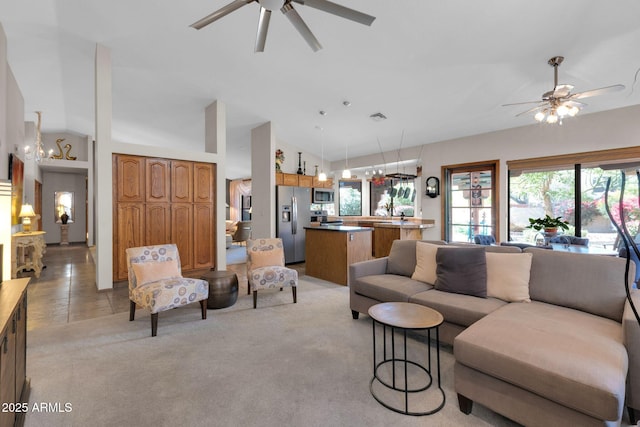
<point x="294" y="215"/>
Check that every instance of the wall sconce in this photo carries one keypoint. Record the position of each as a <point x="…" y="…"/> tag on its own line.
<point x="26" y="213"/>
<point x="433" y="187"/>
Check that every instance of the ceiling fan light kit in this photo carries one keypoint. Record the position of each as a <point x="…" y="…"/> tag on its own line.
<point x="285" y="6"/>
<point x="560" y="103"/>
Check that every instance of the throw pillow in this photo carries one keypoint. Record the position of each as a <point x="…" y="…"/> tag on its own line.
<point x="266" y="259"/>
<point x="425" y="270"/>
<point x="147" y="272"/>
<point x="508" y="276"/>
<point x="402" y="258"/>
<point x="462" y="271"/>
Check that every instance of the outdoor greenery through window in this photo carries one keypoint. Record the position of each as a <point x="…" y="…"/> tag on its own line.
<point x="470" y="202"/>
<point x="392" y="197"/>
<point x="350" y="198"/>
<point x="553" y="192"/>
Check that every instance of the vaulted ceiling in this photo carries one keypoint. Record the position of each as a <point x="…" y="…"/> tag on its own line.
<point x="437" y="70"/>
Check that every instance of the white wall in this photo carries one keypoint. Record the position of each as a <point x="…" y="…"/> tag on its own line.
<point x="590" y="132"/>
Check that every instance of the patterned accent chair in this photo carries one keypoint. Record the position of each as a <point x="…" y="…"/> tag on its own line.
<point x="156" y="282"/>
<point x="265" y="267"/>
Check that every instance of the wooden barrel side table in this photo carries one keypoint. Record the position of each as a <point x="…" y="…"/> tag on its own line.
<point x="223" y="288"/>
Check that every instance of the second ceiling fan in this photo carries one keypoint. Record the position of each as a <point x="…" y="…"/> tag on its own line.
<point x="285" y="6"/>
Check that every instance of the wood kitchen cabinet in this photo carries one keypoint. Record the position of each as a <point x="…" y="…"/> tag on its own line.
<point x="181" y="181"/>
<point x="322" y="184"/>
<point x="129" y="233"/>
<point x="130" y="178"/>
<point x="157" y="180"/>
<point x="14" y="385"/>
<point x="295" y="180"/>
<point x="164" y="201"/>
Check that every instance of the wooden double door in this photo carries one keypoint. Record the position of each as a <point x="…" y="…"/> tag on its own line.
<point x="158" y="201"/>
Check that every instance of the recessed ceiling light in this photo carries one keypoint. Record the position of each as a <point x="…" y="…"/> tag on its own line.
<point x="378" y="117"/>
<point x="346" y="103"/>
<point x="322" y="112"/>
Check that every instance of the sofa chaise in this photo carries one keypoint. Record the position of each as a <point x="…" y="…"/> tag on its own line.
<point x="567" y="353"/>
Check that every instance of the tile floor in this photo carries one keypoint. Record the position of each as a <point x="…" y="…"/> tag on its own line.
<point x="66" y="291"/>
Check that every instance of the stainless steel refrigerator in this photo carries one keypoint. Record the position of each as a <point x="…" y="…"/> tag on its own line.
<point x="293" y="214"/>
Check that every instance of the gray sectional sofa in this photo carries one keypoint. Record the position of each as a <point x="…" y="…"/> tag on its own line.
<point x="570" y="356"/>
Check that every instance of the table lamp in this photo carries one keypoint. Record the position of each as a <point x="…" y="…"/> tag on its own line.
<point x="26" y="213"/>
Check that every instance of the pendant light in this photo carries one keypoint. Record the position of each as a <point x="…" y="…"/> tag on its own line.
<point x="346" y="173"/>
<point x="322" y="177"/>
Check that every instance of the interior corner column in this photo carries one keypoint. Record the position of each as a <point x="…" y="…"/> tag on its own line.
<point x="263" y="181"/>
<point x="103" y="182"/>
<point x="216" y="142"/>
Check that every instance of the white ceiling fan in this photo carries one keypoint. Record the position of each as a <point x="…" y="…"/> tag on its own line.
<point x="560" y="102"/>
<point x="285" y="6"/>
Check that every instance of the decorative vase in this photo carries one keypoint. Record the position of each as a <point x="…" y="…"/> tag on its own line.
<point x="64" y="218"/>
<point x="300" y="172"/>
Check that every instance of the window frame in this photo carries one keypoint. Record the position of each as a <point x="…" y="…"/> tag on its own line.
<point x="448" y="170"/>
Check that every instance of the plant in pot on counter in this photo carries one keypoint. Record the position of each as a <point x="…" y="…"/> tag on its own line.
<point x="548" y="224"/>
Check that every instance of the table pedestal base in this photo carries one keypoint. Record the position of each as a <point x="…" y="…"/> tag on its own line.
<point x="405" y="382"/>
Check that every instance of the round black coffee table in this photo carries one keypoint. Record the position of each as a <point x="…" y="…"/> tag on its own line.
<point x="223" y="288"/>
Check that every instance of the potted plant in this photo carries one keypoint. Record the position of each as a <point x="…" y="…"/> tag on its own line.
<point x="549" y="224"/>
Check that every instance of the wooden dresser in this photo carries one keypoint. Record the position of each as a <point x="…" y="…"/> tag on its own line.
<point x="14" y="385"/>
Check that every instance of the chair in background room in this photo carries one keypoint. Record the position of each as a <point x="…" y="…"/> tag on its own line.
<point x="484" y="239"/>
<point x="242" y="232"/>
<point x="523" y="246"/>
<point x="156" y="282"/>
<point x="265" y="267"/>
<point x="570" y="240"/>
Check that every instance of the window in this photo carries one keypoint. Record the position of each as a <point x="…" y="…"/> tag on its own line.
<point x="350" y="198"/>
<point x="558" y="193"/>
<point x="535" y="194"/>
<point x="392" y="197"/>
<point x="587" y="173"/>
<point x="471" y="201"/>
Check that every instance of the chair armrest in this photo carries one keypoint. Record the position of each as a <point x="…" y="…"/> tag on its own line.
<point x="631" y="336"/>
<point x="367" y="268"/>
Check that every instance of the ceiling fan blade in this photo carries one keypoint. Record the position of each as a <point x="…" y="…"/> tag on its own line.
<point x="561" y="91"/>
<point x="339" y="10"/>
<point x="300" y="25"/>
<point x="531" y="110"/>
<point x="224" y="11"/>
<point x="521" y="103"/>
<point x="263" y="27"/>
<point x="596" y="92"/>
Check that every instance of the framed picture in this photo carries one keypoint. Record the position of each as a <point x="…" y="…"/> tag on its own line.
<point x="16" y="175"/>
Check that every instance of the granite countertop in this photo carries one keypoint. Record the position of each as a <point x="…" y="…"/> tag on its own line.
<point x="402" y="224"/>
<point x="343" y="228"/>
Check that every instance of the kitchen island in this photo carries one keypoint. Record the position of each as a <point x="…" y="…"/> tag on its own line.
<point x="387" y="232"/>
<point x="330" y="249"/>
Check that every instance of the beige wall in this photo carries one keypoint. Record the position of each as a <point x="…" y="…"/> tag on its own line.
<point x="590" y="132"/>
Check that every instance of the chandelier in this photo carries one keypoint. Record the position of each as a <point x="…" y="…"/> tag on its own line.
<point x="37" y="151"/>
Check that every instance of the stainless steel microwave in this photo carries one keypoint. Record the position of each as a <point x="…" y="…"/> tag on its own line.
<point x="323" y="195"/>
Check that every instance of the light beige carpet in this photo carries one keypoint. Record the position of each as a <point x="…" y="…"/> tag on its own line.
<point x="283" y="364"/>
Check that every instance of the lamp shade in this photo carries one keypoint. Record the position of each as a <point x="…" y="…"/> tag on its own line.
<point x="27" y="211"/>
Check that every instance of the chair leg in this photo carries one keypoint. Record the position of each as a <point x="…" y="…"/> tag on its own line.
<point x="295" y="294"/>
<point x="132" y="310"/>
<point x="255" y="299"/>
<point x="154" y="324"/>
<point x="203" y="307"/>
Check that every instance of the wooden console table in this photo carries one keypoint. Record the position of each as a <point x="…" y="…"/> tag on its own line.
<point x="14" y="384"/>
<point x="26" y="252"/>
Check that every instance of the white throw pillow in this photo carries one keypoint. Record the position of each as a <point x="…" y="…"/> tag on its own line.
<point x="508" y="276"/>
<point x="426" y="262"/>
